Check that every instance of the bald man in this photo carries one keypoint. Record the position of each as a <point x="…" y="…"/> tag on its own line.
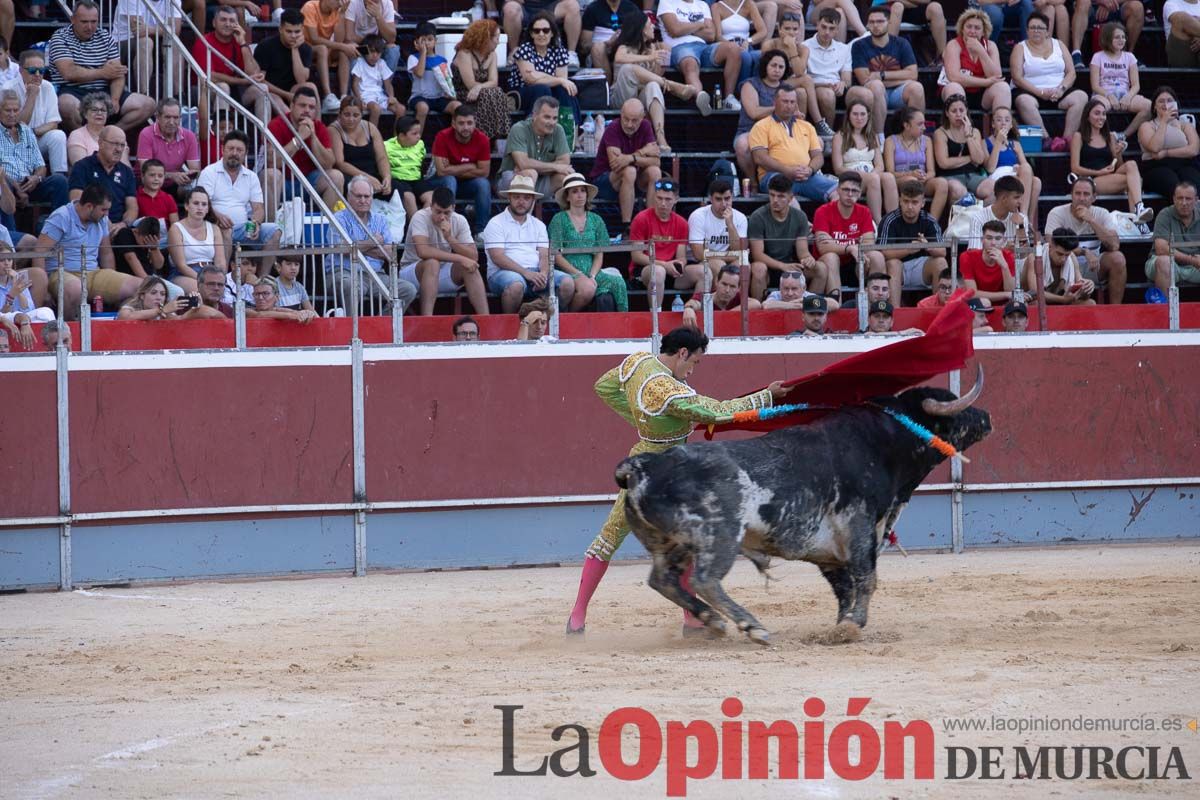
<point x="627" y="159"/>
<point x="105" y="167"/>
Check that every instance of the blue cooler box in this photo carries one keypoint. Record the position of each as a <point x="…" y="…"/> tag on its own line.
<point x="316" y="230"/>
<point x="1031" y="138"/>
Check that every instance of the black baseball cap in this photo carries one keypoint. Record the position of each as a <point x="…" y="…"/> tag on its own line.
<point x="880" y="307"/>
<point x="975" y="304"/>
<point x="815" y="302"/>
<point x="1016" y="307"/>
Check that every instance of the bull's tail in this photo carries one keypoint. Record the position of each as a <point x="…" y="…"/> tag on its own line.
<point x="629" y="473"/>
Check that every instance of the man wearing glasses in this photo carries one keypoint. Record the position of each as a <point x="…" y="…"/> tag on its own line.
<point x="39" y="110"/>
<point x="106" y="168"/>
<point x="602" y="22"/>
<point x="466" y="329"/>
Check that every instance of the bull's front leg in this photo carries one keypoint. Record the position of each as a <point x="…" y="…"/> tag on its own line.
<point x="853" y="583"/>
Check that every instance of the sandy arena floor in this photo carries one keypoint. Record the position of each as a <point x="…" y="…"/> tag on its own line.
<point x="385" y="687"/>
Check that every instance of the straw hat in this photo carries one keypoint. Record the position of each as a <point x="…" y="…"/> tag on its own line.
<point x="521" y="184"/>
<point x="573" y="180"/>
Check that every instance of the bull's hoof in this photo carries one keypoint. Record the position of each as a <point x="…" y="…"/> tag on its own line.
<point x="689" y="632"/>
<point x="759" y="636"/>
<point x="844" y="632"/>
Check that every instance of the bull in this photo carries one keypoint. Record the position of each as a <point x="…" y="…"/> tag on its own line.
<point x="826" y="492"/>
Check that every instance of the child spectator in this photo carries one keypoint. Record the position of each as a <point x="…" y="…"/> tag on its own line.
<point x="430" y="91"/>
<point x="153" y="202"/>
<point x="406" y="155"/>
<point x="372" y="79"/>
<point x="292" y="294"/>
<point x="137" y="251"/>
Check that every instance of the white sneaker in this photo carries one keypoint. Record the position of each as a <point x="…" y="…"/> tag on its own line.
<point x="1142" y="213"/>
<point x="332" y="104"/>
<point x="732" y="104"/>
<point x="276" y="14"/>
<point x="573" y="60"/>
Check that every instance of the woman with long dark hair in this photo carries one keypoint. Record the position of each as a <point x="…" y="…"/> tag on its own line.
<point x="1097" y="153"/>
<point x="637" y="61"/>
<point x="539" y="66"/>
<point x="195" y="241"/>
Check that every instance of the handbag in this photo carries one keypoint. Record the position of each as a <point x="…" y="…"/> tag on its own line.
<point x="393" y="211"/>
<point x="1128" y="226"/>
<point x="290" y="219"/>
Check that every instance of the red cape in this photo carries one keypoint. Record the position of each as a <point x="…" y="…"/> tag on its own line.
<point x="946" y="346"/>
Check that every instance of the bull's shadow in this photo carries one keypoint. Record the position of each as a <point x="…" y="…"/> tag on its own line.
<point x="826" y="492"/>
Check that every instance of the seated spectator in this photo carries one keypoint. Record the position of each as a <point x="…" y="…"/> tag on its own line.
<point x="959" y="151"/>
<point x="1043" y="77"/>
<point x="519" y="14"/>
<point x="1169" y="145"/>
<point x="222" y="49"/>
<point x="638" y="60"/>
<point x="1114" y="72"/>
<point x="991" y="271"/>
<point x="1016" y="317"/>
<point x="196" y="241"/>
<point x="716" y="232"/>
<point x="476" y="78"/>
<point x="286" y="61"/>
<point x="39" y="110"/>
<point x="1181" y="24"/>
<point x="733" y="24"/>
<point x="1092" y="222"/>
<point x="1177" y="235"/>
<point x="55" y="333"/>
<point x="668" y="234"/>
<point x="1096" y="153"/>
<point x="982" y="307"/>
<point x="17" y="306"/>
<point x="577" y="226"/>
<point x="791" y="294"/>
<point x="266" y="305"/>
<point x="537" y="150"/>
<point x="602" y="23"/>
<point x="627" y="159"/>
<point x="291" y="292"/>
<point x="908" y="155"/>
<point x="941" y="293"/>
<point x="784" y="144"/>
<point x="1006" y="158"/>
<point x="429" y="91"/>
<point x="922" y="13"/>
<point x="465" y="329"/>
<point x="358" y="148"/>
<point x="21" y="157"/>
<point x="462" y="160"/>
<point x="172" y="144"/>
<point x="138" y="35"/>
<point x="1063" y="281"/>
<point x="1006" y="209"/>
<point x="105" y="168"/>
<point x="972" y="64"/>
<point x="1002" y="13"/>
<point x="518" y="251"/>
<point x="84" y="58"/>
<point x="758" y="102"/>
<point x="880" y="319"/>
<point x="830" y="66"/>
<point x="405" y="153"/>
<point x="911" y="267"/>
<point x="855" y="149"/>
<point x="778" y="234"/>
<point x="136" y="252"/>
<point x="152" y="201"/>
<point x="440" y="255"/>
<point x="85" y="140"/>
<point x="816" y="311"/>
<point x="152" y="303"/>
<point x="325" y="34"/>
<point x="303" y="120"/>
<point x="886" y="66"/>
<point x="878" y="287"/>
<point x="211" y="288"/>
<point x="534" y="318"/>
<point x="539" y="67"/>
<point x="690" y="34"/>
<point x="236" y="197"/>
<point x="840" y="226"/>
<point x="726" y="296"/>
<point x="10" y="71"/>
<point x="81" y="229"/>
<point x="363" y="18"/>
<point x="371" y="232"/>
<point x="240" y="280"/>
<point x="371" y="81"/>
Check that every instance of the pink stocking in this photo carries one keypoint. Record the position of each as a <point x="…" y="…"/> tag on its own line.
<point x="689" y="620"/>
<point x="593" y="570"/>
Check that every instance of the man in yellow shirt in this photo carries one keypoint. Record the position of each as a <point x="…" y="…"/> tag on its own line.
<point x="787" y="145"/>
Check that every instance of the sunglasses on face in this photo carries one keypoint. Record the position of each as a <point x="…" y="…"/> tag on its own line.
<point x="537" y="31"/>
<point x="36" y="70"/>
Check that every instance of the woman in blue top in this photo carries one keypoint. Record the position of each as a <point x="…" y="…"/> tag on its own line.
<point x="1006" y="157"/>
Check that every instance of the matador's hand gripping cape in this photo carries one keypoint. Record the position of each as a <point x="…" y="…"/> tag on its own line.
<point x="946" y="346"/>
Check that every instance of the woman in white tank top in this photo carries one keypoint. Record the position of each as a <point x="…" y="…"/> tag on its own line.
<point x="1043" y="73"/>
<point x="734" y="20"/>
<point x="195" y="241"/>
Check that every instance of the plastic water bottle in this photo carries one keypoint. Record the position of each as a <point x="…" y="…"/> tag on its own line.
<point x="718" y="98"/>
<point x="588" y="129"/>
<point x="599" y="122"/>
<point x="477" y="11"/>
<point x="677" y="305"/>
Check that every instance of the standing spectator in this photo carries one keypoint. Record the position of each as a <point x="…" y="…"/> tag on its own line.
<point x="690" y="33"/>
<point x="519" y="14"/>
<point x="855" y="149"/>
<point x="196" y="241"/>
<point x="476" y="78"/>
<point x="440" y="256"/>
<point x="324" y="32"/>
<point x="667" y="233"/>
<point x="1096" y="153"/>
<point x="908" y="154"/>
<point x="465" y="329"/>
<point x="840" y="226"/>
<point x="909" y="225"/>
<point x="1016" y="317"/>
<point x="758" y="103"/>
<point x="1013" y="13"/>
<point x="1176" y="234"/>
<point x="627" y="159"/>
<point x="717" y="231"/>
<point x="219" y="52"/>
<point x="39" y="110"/>
<point x="1181" y="24"/>
<point x="537" y="149"/>
<point x="24" y="168"/>
<point x="959" y="150"/>
<point x="1092" y="222"/>
<point x="1006" y="158"/>
<point x="302" y="124"/>
<point x="172" y="144"/>
<point x="942" y="292"/>
<point x="462" y="159"/>
<point x="972" y="64"/>
<point x="358" y="148"/>
<point x="734" y="25"/>
<point x="363" y="18"/>
<point x="106" y="169"/>
<point x="992" y="271"/>
<point x="81" y="228"/>
<point x="292" y="294"/>
<point x="84" y="58"/>
<point x="1169" y="145"/>
<point x="1044" y="76"/>
<point x="85" y="140"/>
<point x="372" y="81"/>
<point x="286" y="61"/>
<point x="830" y="65"/>
<point x="236" y="196"/>
<point x="886" y="66"/>
<point x="778" y="234"/>
<point x="370" y="231"/>
<point x="518" y="251"/>
<point x="429" y="91"/>
<point x="784" y="144"/>
<point x="405" y="153"/>
<point x="577" y="226"/>
<point x="1116" y="80"/>
<point x="539" y="67"/>
<point x="1064" y="283"/>
<point x="602" y="23"/>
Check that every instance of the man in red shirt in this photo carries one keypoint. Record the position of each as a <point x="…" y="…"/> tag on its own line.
<point x="462" y="157"/>
<point x="981" y="269"/>
<point x="839" y="226"/>
<point x="302" y="119"/>
<point x="227" y="43"/>
<point x="669" y="233"/>
<point x="941" y="294"/>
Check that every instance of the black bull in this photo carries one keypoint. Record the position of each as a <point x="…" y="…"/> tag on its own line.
<point x="827" y="492"/>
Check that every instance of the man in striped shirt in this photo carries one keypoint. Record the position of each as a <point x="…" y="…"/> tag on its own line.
<point x="85" y="58"/>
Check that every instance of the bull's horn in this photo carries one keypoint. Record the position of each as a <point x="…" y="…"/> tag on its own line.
<point x="948" y="408"/>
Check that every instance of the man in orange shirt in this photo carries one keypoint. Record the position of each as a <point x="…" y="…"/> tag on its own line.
<point x="941" y="294"/>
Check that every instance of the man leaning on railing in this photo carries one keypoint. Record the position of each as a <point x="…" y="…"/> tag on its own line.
<point x="371" y="233"/>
